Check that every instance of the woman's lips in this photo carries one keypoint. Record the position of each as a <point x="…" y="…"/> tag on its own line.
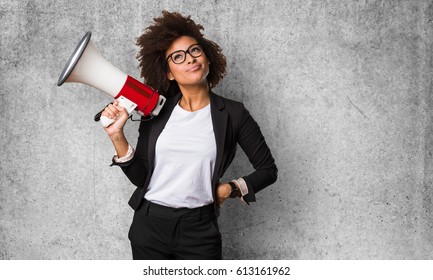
<point x="194" y="68"/>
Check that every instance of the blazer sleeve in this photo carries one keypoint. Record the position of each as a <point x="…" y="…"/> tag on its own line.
<point x="253" y="143"/>
<point x="137" y="168"/>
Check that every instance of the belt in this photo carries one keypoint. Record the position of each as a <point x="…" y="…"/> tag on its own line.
<point x="151" y="208"/>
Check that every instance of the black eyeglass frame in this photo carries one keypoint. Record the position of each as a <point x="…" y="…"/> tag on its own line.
<point x="185" y="53"/>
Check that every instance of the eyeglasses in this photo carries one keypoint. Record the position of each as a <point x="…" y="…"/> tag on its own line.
<point x="179" y="56"/>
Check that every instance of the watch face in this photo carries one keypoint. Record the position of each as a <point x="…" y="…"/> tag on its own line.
<point x="235" y="191"/>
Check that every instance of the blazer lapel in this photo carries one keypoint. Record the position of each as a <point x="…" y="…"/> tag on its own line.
<point x="219" y="121"/>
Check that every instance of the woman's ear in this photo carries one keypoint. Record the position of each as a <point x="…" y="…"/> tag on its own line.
<point x="170" y="76"/>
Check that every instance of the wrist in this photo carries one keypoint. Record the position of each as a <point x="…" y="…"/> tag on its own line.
<point x="120" y="144"/>
<point x="117" y="137"/>
<point x="235" y="191"/>
<point x="124" y="158"/>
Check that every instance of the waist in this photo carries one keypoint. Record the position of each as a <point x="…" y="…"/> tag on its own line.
<point x="160" y="210"/>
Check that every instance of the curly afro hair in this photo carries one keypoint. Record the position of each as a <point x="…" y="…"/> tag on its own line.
<point x="157" y="38"/>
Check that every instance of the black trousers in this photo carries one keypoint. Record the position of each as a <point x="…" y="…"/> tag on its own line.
<point x="160" y="233"/>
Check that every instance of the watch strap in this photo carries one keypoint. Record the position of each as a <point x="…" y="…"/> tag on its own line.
<point x="235" y="191"/>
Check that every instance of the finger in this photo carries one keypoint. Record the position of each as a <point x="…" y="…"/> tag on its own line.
<point x="107" y="112"/>
<point x="121" y="111"/>
<point x="120" y="108"/>
<point x="114" y="108"/>
<point x="110" y="111"/>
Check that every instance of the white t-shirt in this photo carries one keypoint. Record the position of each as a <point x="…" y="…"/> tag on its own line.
<point x="185" y="156"/>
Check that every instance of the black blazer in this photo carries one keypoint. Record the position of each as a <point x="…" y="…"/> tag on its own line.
<point x="232" y="124"/>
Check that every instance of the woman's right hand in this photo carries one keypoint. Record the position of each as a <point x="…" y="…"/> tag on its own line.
<point x="119" y="115"/>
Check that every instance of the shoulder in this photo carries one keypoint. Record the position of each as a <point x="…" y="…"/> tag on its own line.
<point x="229" y="105"/>
<point x="238" y="115"/>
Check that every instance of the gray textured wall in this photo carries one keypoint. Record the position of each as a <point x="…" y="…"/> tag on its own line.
<point x="341" y="90"/>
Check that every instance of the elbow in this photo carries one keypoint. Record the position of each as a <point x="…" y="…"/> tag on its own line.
<point x="273" y="174"/>
<point x="137" y="176"/>
<point x="138" y="182"/>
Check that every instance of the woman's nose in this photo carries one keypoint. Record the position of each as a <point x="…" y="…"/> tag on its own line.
<point x="189" y="58"/>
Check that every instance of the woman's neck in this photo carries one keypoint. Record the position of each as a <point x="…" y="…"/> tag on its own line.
<point x="194" y="98"/>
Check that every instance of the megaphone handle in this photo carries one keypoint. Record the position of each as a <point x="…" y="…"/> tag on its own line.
<point x="98" y="115"/>
<point x="105" y="121"/>
<point x="123" y="102"/>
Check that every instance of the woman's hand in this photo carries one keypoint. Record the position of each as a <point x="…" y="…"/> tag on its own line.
<point x="119" y="115"/>
<point x="115" y="130"/>
<point x="223" y="192"/>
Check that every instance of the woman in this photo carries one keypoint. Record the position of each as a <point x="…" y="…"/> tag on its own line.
<point x="182" y="153"/>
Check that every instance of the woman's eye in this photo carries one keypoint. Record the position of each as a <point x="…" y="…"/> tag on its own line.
<point x="177" y="57"/>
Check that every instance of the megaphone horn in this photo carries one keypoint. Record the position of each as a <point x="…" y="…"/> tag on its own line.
<point x="87" y="66"/>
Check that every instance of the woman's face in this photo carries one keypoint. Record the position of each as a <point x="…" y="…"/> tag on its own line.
<point x="191" y="72"/>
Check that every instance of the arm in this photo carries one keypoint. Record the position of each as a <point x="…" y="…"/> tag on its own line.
<point x="253" y="143"/>
<point x="135" y="168"/>
<point x="115" y="131"/>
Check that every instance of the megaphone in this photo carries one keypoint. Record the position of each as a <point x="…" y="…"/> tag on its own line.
<point x="87" y="66"/>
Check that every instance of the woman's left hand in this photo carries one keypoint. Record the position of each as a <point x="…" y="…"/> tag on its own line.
<point x="223" y="192"/>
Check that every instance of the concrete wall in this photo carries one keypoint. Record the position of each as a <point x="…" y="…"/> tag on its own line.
<point x="341" y="90"/>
